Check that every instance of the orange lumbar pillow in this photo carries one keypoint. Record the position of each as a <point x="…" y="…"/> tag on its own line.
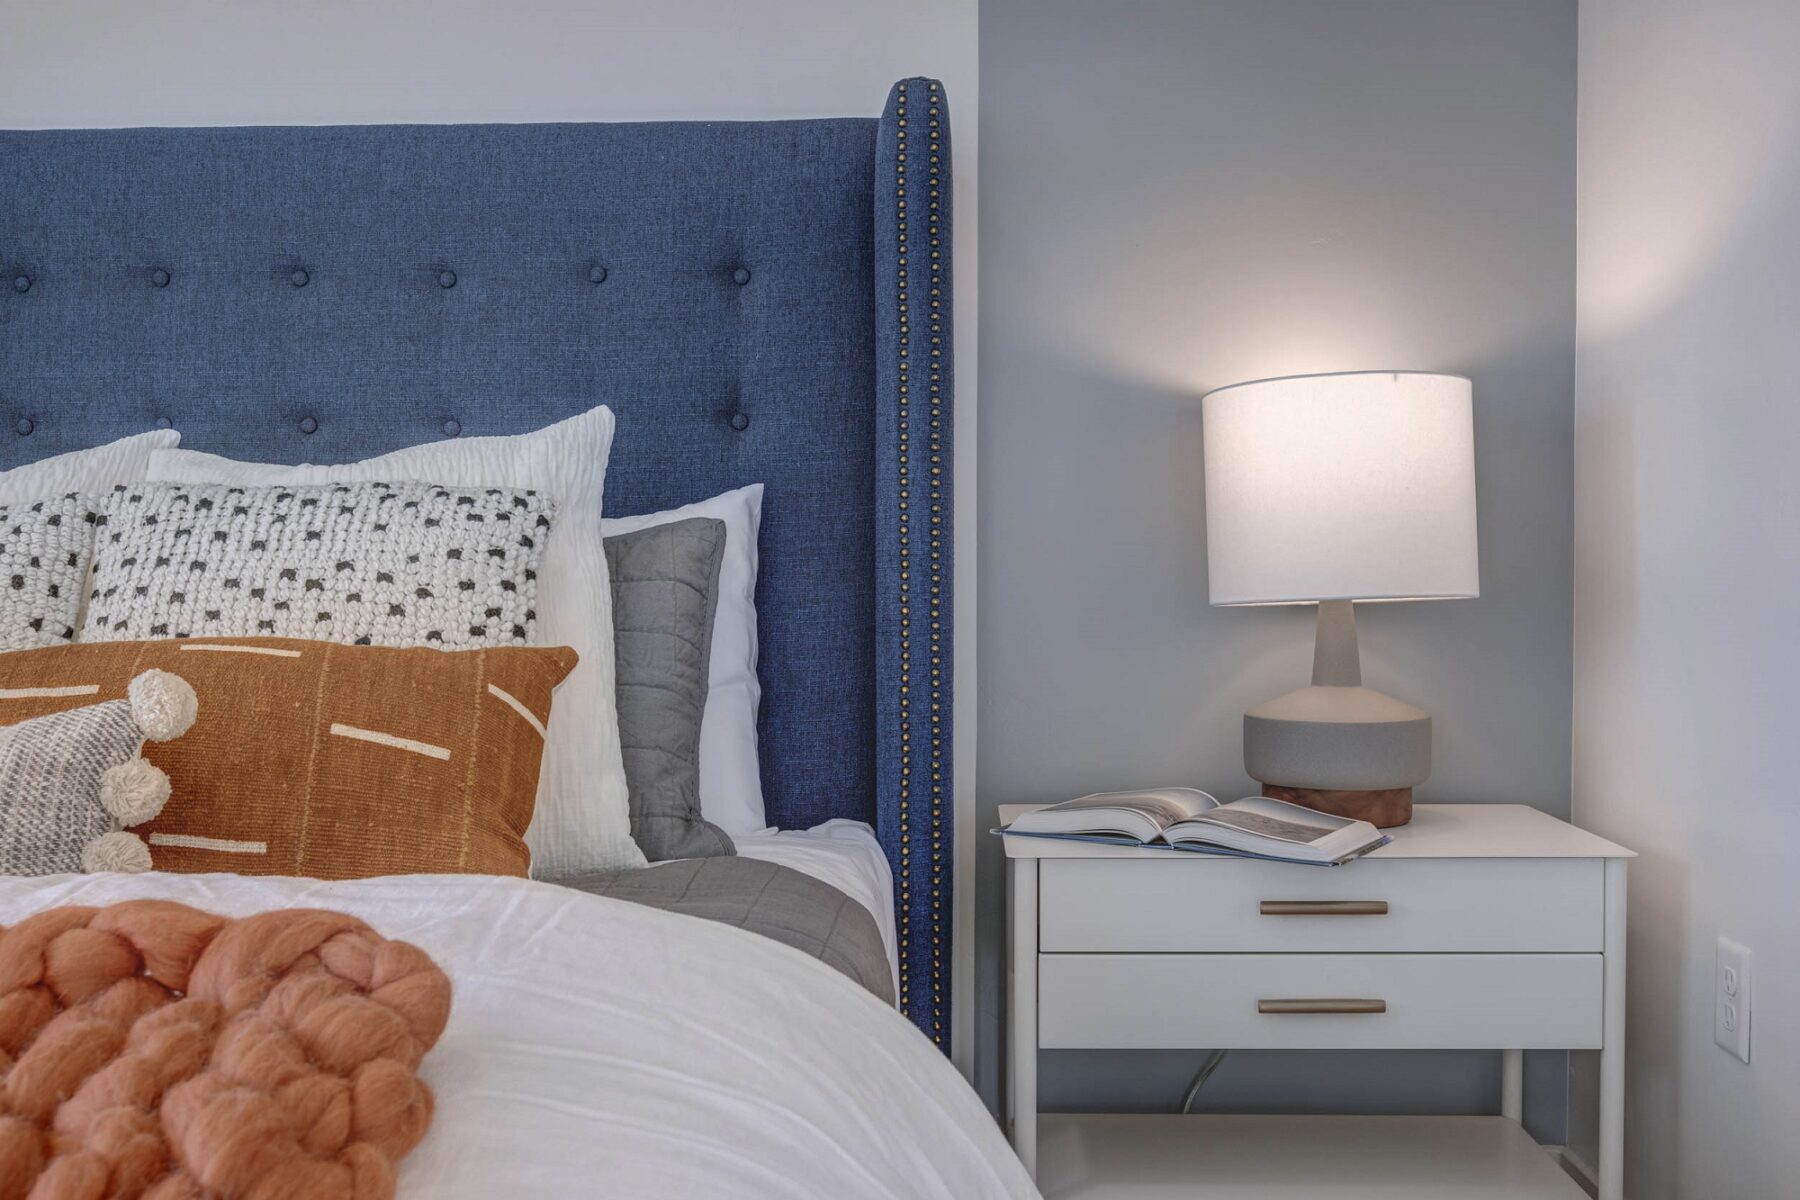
<point x="317" y="758"/>
<point x="149" y="1048"/>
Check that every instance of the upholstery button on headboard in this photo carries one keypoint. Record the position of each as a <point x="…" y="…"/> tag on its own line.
<point x="740" y="421"/>
<point x="452" y="427"/>
<point x="22" y="283"/>
<point x="159" y="278"/>
<point x="740" y="276"/>
<point x="164" y="423"/>
<point x="596" y="274"/>
<point x="447" y="279"/>
<point x="308" y="425"/>
<point x="299" y="278"/>
<point x="25" y="426"/>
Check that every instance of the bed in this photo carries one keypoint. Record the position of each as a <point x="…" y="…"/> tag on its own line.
<point x="757" y="302"/>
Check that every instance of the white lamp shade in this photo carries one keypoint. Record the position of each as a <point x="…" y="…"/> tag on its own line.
<point x="1357" y="486"/>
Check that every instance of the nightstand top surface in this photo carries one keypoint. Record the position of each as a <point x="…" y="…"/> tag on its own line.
<point x="1436" y="831"/>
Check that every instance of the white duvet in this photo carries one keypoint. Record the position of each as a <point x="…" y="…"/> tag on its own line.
<point x="597" y="1047"/>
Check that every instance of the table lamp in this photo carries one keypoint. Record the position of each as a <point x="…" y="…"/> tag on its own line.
<point x="1328" y="490"/>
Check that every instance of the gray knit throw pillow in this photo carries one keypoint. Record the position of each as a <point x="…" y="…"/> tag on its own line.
<point x="70" y="781"/>
<point x="388" y="564"/>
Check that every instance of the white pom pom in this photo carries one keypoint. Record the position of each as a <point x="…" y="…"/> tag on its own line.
<point x="134" y="791"/>
<point x="116" y="851"/>
<point x="165" y="705"/>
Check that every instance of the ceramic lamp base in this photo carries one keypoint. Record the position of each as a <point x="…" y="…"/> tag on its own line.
<point x="1383" y="808"/>
<point x="1338" y="746"/>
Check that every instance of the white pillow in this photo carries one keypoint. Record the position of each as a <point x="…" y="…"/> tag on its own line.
<point x="583" y="819"/>
<point x="93" y="471"/>
<point x="730" y="770"/>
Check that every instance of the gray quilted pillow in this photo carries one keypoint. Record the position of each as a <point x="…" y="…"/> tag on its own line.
<point x="665" y="587"/>
<point x="70" y="781"/>
<point x="45" y="549"/>
<point x="388" y="564"/>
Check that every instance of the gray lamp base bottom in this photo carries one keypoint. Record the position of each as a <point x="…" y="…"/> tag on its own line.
<point x="1338" y="739"/>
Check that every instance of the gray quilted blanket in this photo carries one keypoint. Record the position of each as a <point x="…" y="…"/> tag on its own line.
<point x="777" y="902"/>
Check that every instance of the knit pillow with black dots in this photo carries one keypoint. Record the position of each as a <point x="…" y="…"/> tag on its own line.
<point x="400" y="564"/>
<point x="45" y="549"/>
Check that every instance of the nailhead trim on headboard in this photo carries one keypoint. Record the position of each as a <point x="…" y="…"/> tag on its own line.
<point x="923" y="704"/>
<point x="939" y="842"/>
<point x="906" y="875"/>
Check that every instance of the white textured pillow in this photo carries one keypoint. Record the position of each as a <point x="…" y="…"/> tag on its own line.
<point x="385" y="564"/>
<point x="583" y="819"/>
<point x="46" y="547"/>
<point x="94" y="471"/>
<point x="730" y="768"/>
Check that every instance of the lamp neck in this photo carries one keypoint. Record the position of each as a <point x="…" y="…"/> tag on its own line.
<point x="1336" y="660"/>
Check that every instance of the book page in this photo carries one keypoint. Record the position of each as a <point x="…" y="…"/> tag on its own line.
<point x="1165" y="806"/>
<point x="1141" y="815"/>
<point x="1273" y="819"/>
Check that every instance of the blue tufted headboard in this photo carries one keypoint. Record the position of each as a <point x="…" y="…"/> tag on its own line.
<point x="756" y="301"/>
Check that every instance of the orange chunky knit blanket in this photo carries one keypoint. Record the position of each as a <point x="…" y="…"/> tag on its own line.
<point x="151" y="1050"/>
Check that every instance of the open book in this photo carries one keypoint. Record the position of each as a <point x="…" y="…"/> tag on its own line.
<point x="1189" y="819"/>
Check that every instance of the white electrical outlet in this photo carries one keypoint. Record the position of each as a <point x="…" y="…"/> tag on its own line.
<point x="1731" y="998"/>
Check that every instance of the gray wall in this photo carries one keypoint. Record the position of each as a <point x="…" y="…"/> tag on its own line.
<point x="1185" y="194"/>
<point x="1687" y="586"/>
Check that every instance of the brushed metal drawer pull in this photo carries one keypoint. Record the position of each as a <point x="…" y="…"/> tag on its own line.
<point x="1315" y="1007"/>
<point x="1324" y="908"/>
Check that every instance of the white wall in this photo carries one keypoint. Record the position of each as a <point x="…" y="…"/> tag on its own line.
<point x="75" y="63"/>
<point x="1687" y="626"/>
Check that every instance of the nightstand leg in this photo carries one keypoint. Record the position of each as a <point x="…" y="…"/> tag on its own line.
<point x="1612" y="1040"/>
<point x="1512" y="1084"/>
<point x="1022" y="1006"/>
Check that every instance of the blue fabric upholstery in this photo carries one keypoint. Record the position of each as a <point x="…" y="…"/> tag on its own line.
<point x="746" y="296"/>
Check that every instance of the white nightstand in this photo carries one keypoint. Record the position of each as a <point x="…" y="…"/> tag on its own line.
<point x="1480" y="926"/>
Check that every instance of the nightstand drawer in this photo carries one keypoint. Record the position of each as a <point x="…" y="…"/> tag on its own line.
<point x="1183" y="902"/>
<point x="1319" y="1001"/>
